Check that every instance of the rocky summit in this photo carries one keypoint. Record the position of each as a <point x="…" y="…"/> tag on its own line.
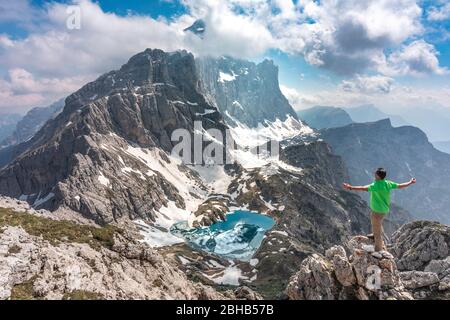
<point x="415" y="267"/>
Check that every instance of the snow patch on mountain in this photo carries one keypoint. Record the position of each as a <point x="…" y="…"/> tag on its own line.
<point x="223" y="77"/>
<point x="229" y="276"/>
<point x="277" y="130"/>
<point x="103" y="180"/>
<point x="156" y="237"/>
<point x="169" y="168"/>
<point x="40" y="200"/>
<point x="214" y="177"/>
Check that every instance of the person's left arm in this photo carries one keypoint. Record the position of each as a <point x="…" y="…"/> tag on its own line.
<point x="406" y="184"/>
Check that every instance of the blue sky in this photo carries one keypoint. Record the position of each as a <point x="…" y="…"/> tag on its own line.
<point x="395" y="54"/>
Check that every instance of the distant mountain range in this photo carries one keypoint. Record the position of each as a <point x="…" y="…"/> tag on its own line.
<point x="369" y="113"/>
<point x="31" y="123"/>
<point x="405" y="151"/>
<point x="433" y="120"/>
<point x="321" y="117"/>
<point x="8" y="123"/>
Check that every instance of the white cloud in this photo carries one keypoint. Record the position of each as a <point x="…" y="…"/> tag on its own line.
<point x="106" y="41"/>
<point x="22" y="81"/>
<point x="19" y="11"/>
<point x="368" y="84"/>
<point x="300" y="100"/>
<point x="417" y="58"/>
<point x="229" y="33"/>
<point x="439" y="13"/>
<point x="21" y="90"/>
<point x="399" y="97"/>
<point x="345" y="36"/>
<point x="348" y="36"/>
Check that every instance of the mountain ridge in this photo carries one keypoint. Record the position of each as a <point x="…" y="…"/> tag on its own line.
<point x="321" y="117"/>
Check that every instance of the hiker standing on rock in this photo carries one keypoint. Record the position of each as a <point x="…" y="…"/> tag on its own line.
<point x="380" y="200"/>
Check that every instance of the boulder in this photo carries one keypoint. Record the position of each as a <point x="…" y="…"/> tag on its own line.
<point x="363" y="275"/>
<point x="421" y="249"/>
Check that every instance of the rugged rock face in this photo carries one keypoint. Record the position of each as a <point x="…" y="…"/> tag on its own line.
<point x="65" y="271"/>
<point x="42" y="258"/>
<point x="325" y="117"/>
<point x="93" y="148"/>
<point x="422" y="251"/>
<point x="245" y="91"/>
<point x="31" y="123"/>
<point x="318" y="159"/>
<point x="418" y="268"/>
<point x="363" y="275"/>
<point x="406" y="153"/>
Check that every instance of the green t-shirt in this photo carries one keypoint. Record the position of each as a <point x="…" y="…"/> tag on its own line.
<point x="380" y="195"/>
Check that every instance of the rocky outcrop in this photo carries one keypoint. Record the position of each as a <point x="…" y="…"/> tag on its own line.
<point x="418" y="268"/>
<point x="417" y="243"/>
<point x="406" y="153"/>
<point x="42" y="258"/>
<point x="212" y="210"/>
<point x="245" y="293"/>
<point x="363" y="275"/>
<point x="244" y="91"/>
<point x="422" y="251"/>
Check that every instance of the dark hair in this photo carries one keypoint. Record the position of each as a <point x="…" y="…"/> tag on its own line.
<point x="381" y="173"/>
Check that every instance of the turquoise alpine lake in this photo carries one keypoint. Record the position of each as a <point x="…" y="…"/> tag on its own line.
<point x="238" y="237"/>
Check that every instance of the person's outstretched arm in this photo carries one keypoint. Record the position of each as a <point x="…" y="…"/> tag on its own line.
<point x="406" y="184"/>
<point x="356" y="188"/>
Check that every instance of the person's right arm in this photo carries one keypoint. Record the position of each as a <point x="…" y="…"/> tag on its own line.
<point x="355" y="188"/>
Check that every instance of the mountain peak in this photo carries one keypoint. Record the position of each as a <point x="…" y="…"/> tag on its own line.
<point x="245" y="91"/>
<point x="151" y="67"/>
<point x="383" y="123"/>
<point x="198" y="28"/>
